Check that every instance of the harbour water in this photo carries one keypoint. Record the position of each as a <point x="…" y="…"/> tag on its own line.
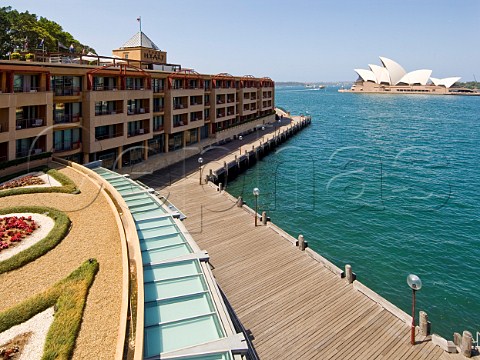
<point x="389" y="184"/>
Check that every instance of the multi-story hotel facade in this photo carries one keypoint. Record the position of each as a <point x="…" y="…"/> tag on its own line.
<point x="123" y="109"/>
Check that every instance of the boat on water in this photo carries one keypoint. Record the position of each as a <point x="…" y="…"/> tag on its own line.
<point x="314" y="86"/>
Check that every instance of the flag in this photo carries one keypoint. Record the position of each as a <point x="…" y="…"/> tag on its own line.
<point x="42" y="42"/>
<point x="61" y="46"/>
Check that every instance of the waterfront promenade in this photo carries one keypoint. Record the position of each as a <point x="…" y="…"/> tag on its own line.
<point x="295" y="307"/>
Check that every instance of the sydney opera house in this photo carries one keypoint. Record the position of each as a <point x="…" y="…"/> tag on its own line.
<point x="391" y="77"/>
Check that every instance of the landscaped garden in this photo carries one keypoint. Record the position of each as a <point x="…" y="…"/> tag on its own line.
<point x="48" y="288"/>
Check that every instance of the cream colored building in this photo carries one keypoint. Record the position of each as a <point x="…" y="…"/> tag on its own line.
<point x="122" y="109"/>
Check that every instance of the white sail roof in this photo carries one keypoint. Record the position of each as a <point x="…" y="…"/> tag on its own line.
<point x="416" y="77"/>
<point x="447" y="82"/>
<point x="381" y="74"/>
<point x="395" y="70"/>
<point x="366" y="75"/>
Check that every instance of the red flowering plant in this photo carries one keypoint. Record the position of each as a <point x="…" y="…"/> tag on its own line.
<point x="23" y="181"/>
<point x="13" y="229"/>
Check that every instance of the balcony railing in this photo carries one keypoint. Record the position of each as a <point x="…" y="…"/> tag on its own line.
<point x="135" y="87"/>
<point x="158" y="89"/>
<point x="179" y="123"/>
<point x="26" y="89"/>
<point x="158" y="109"/>
<point x="68" y="118"/>
<point x="197" y="118"/>
<point x="137" y="132"/>
<point x="108" y="136"/>
<point x="24" y="152"/>
<point x="158" y="128"/>
<point x="178" y="106"/>
<point x="67" y="91"/>
<point x="207" y="103"/>
<point x="138" y="111"/>
<point x="106" y="87"/>
<point x="29" y="123"/>
<point x="62" y="147"/>
<point x="108" y="112"/>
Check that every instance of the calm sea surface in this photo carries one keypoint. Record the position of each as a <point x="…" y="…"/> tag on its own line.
<point x="389" y="184"/>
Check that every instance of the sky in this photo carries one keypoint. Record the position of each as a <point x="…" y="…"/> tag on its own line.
<point x="287" y="40"/>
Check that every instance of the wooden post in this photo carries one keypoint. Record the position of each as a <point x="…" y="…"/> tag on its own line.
<point x="457" y="339"/>
<point x="349" y="273"/>
<point x="301" y="243"/>
<point x="467" y="341"/>
<point x="264" y="218"/>
<point x="423" y="323"/>
<point x="220" y="187"/>
<point x="240" y="202"/>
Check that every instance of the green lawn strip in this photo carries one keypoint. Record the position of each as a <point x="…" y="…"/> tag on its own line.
<point x="53" y="238"/>
<point x="68" y="186"/>
<point x="69" y="297"/>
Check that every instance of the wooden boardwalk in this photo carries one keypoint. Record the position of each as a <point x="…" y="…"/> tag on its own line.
<point x="294" y="306"/>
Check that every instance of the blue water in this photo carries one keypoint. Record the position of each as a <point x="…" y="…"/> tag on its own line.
<point x="389" y="184"/>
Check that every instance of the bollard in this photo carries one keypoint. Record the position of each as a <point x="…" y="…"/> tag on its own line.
<point x="236" y="159"/>
<point x="349" y="273"/>
<point x="457" y="339"/>
<point x="423" y="323"/>
<point x="210" y="173"/>
<point x="264" y="218"/>
<point x="220" y="187"/>
<point x="301" y="243"/>
<point x="240" y="202"/>
<point x="467" y="343"/>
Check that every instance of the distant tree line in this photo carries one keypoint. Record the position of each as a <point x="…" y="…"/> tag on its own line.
<point x="25" y="32"/>
<point x="468" y="84"/>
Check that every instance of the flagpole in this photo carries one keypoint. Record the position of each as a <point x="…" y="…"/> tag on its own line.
<point x="140" y="21"/>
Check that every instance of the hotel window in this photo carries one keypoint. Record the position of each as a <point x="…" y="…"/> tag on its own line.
<point x="66" y="139"/>
<point x="134" y="83"/>
<point x="192" y="84"/>
<point x="67" y="112"/>
<point x="177" y="84"/>
<point x="157" y="123"/>
<point x="175" y="142"/>
<point x="191" y="137"/>
<point x="156" y="145"/>
<point x="206" y="84"/>
<point x="158" y="85"/>
<point x="66" y="85"/>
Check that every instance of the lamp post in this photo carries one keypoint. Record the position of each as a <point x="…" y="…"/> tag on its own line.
<point x="240" y="138"/>
<point x="256" y="192"/>
<point x="415" y="284"/>
<point x="200" y="162"/>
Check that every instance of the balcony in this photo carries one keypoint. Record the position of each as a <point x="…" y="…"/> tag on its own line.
<point x="29" y="123"/>
<point x="108" y="112"/>
<point x="137" y="132"/>
<point x="108" y="136"/>
<point x="138" y="111"/>
<point x="179" y="106"/>
<point x="66" y="119"/>
<point x="28" y="89"/>
<point x="158" y="89"/>
<point x="180" y="123"/>
<point x="105" y="88"/>
<point x="64" y="147"/>
<point x="67" y="91"/>
<point x="24" y="152"/>
<point x="158" y="109"/>
<point x="158" y="128"/>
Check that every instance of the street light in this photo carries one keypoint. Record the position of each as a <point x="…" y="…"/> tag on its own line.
<point x="240" y="138"/>
<point x="415" y="284"/>
<point x="256" y="192"/>
<point x="200" y="162"/>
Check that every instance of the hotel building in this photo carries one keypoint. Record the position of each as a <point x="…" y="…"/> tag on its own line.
<point x="123" y="109"/>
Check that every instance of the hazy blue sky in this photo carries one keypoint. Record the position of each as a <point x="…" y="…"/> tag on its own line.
<point x="302" y="40"/>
